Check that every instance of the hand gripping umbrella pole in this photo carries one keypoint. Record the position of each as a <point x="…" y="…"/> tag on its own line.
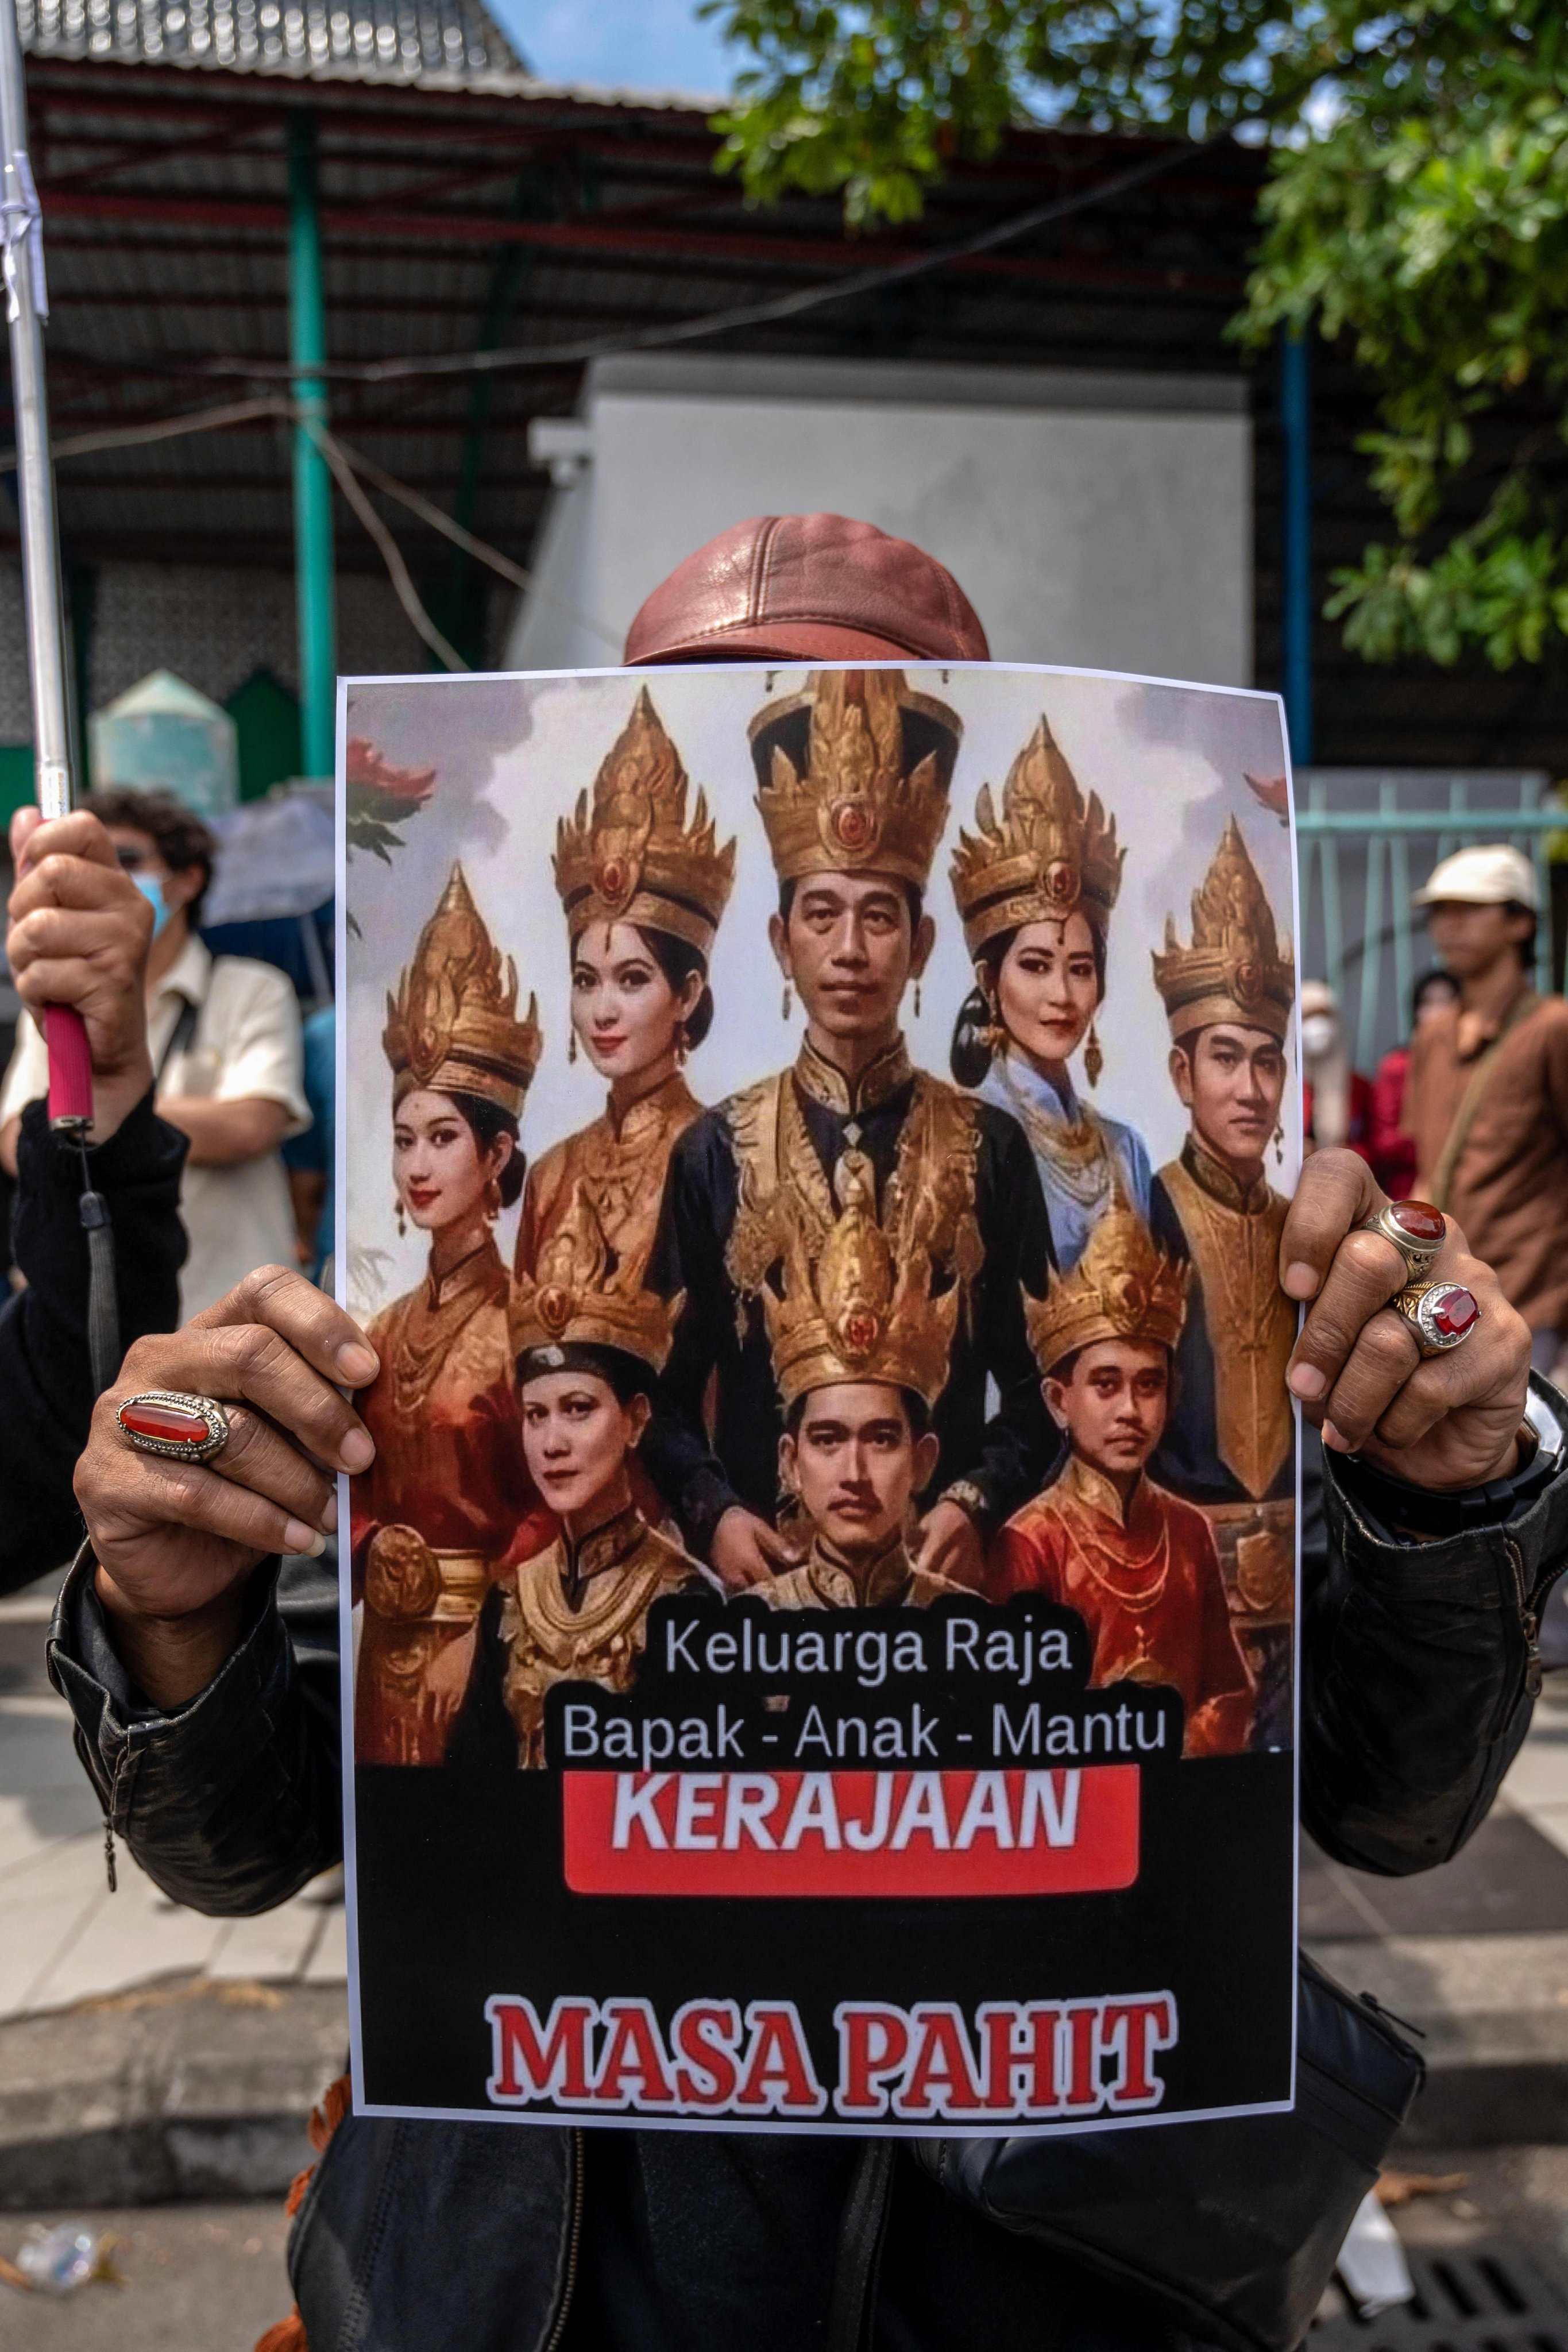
<point x="26" y="307"/>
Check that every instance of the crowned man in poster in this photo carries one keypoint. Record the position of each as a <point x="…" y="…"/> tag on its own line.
<point x="1137" y="1563"/>
<point x="854" y="775"/>
<point x="1228" y="999"/>
<point x="860" y="1352"/>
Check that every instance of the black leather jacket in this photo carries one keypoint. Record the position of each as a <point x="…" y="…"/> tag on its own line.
<point x="1419" y="1670"/>
<point x="46" y="1378"/>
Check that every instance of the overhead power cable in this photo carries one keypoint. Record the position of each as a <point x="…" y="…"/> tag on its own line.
<point x="743" y="314"/>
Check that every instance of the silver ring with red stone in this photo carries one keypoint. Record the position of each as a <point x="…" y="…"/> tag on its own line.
<point x="1441" y="1315"/>
<point x="1418" y="1231"/>
<point x="173" y="1423"/>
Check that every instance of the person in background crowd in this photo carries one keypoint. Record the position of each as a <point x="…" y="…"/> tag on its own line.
<point x="1391" y="1150"/>
<point x="1336" y="1107"/>
<point x="224" y="1038"/>
<point x="78" y="935"/>
<point x="1487" y="1098"/>
<point x="312" y="1158"/>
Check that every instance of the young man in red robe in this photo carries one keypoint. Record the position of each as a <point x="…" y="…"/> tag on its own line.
<point x="1137" y="1563"/>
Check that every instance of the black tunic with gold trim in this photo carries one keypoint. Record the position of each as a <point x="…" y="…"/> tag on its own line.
<point x="994" y="1236"/>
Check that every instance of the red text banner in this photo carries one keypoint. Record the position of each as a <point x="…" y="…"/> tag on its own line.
<point x="851" y="1833"/>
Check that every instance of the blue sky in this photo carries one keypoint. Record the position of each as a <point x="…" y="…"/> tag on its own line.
<point x="622" y="44"/>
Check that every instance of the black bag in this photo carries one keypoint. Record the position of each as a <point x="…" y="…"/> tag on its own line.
<point x="1231" y="2228"/>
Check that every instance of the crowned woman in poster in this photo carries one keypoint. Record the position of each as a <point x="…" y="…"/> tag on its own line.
<point x="589" y="1341"/>
<point x="643" y="893"/>
<point x="854" y="774"/>
<point x="1034" y="890"/>
<point x="448" y="1496"/>
<point x="1137" y="1563"/>
<point x="1228" y="999"/>
<point x="860" y="1351"/>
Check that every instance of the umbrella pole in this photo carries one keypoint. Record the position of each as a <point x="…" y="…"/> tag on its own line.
<point x="28" y="305"/>
<point x="70" y="1067"/>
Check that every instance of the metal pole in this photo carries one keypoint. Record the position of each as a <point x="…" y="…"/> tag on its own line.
<point x="312" y="480"/>
<point x="1296" y="426"/>
<point x="71" y="1068"/>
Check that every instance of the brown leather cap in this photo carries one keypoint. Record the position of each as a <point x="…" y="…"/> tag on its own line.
<point x="806" y="588"/>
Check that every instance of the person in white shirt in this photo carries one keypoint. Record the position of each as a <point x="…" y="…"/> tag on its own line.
<point x="224" y="1038"/>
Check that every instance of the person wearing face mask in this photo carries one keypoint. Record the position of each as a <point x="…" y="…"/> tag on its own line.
<point x="448" y="1500"/>
<point x="643" y="893"/>
<point x="1035" y="893"/>
<point x="1336" y="1101"/>
<point x="224" y="1038"/>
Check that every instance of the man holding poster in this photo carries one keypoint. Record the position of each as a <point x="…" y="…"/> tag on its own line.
<point x="205" y="1717"/>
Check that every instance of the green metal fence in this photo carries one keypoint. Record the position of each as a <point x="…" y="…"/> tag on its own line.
<point x="1359" y="930"/>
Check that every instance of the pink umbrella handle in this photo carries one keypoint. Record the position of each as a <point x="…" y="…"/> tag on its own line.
<point x="70" y="1067"/>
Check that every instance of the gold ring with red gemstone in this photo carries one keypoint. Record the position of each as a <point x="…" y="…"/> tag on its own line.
<point x="1418" y="1231"/>
<point x="1440" y="1314"/>
<point x="173" y="1423"/>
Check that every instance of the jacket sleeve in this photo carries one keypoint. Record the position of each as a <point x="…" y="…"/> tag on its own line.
<point x="232" y="1804"/>
<point x="1419" y="1674"/>
<point x="45" y="1379"/>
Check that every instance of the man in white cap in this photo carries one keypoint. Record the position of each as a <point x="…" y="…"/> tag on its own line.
<point x="1487" y="1098"/>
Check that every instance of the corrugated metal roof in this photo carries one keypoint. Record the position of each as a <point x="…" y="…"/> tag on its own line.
<point x="448" y="44"/>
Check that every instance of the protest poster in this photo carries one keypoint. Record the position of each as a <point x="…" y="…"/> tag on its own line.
<point x="820" y="1629"/>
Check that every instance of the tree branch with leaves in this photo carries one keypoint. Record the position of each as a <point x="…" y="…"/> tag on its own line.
<point x="1415" y="211"/>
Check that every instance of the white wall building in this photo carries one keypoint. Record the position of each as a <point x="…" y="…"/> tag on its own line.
<point x="1093" y="518"/>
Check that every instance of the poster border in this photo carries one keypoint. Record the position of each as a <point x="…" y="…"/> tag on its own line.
<point x="883" y="2127"/>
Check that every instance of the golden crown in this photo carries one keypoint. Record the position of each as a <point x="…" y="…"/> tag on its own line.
<point x="1047" y="854"/>
<point x="575" y="1298"/>
<point x="1236" y="968"/>
<point x="635" y="859"/>
<point x="854" y="775"/>
<point x="453" y="1023"/>
<point x="847" y="1312"/>
<point x="1122" y="1288"/>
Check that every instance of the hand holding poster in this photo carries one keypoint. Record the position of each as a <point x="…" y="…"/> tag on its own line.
<point x="823" y="1608"/>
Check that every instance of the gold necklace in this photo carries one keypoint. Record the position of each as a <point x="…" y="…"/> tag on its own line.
<point x="1137" y="1604"/>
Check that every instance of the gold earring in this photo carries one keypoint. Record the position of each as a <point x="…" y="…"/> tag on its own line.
<point x="492" y="1199"/>
<point x="402" y="1228"/>
<point x="786" y="1000"/>
<point x="1093" y="1059"/>
<point x="917" y="1000"/>
<point x="682" y="1045"/>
